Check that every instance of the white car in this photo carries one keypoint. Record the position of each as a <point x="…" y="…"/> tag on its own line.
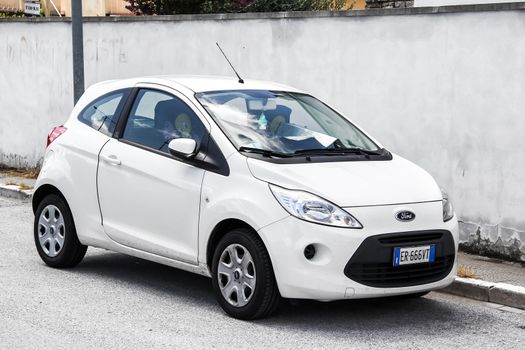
<point x="258" y="185"/>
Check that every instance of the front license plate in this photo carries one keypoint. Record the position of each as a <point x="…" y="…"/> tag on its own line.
<point x="414" y="255"/>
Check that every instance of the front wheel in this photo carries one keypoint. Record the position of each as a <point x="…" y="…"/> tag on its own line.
<point x="55" y="234"/>
<point x="242" y="276"/>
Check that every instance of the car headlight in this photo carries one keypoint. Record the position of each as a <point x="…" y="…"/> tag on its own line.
<point x="309" y="207"/>
<point x="448" y="211"/>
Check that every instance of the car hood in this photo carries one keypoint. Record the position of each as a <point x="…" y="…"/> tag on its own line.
<point x="353" y="183"/>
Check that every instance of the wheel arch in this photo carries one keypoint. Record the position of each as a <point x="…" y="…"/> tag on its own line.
<point x="42" y="192"/>
<point x="220" y="230"/>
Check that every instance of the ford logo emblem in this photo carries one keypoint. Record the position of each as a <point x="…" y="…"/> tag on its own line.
<point x="405" y="215"/>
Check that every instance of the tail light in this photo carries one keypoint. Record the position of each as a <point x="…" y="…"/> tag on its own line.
<point x="55" y="133"/>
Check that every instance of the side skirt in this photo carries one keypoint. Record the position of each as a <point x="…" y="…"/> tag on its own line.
<point x="200" y="269"/>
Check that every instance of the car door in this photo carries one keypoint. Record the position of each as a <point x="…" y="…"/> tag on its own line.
<point x="150" y="200"/>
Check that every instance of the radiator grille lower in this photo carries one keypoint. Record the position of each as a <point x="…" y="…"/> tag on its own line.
<point x="372" y="263"/>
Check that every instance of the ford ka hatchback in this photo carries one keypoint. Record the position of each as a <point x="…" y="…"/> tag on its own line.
<point x="262" y="187"/>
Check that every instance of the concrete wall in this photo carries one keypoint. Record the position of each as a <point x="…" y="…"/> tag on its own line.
<point x="421" y="3"/>
<point x="445" y="90"/>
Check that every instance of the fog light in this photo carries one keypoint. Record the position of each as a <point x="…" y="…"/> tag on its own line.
<point x="309" y="251"/>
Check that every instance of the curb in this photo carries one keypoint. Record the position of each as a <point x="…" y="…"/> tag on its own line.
<point x="499" y="293"/>
<point x="12" y="191"/>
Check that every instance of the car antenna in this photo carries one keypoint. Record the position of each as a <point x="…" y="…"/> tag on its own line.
<point x="231" y="65"/>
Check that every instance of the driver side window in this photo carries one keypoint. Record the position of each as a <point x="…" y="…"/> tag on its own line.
<point x="157" y="117"/>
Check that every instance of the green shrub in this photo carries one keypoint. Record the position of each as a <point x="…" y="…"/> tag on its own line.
<point x="170" y="7"/>
<point x="214" y="6"/>
<point x="164" y="7"/>
<point x="4" y="14"/>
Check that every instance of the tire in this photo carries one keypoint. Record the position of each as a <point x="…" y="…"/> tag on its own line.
<point x="55" y="235"/>
<point x="260" y="301"/>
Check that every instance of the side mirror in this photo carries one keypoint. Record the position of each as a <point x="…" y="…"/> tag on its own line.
<point x="182" y="147"/>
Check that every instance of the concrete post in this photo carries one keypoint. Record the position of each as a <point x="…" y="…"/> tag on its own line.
<point x="78" y="49"/>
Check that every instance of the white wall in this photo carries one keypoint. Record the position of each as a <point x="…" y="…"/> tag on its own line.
<point x="35" y="87"/>
<point x="445" y="90"/>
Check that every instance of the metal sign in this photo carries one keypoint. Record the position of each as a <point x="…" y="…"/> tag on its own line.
<point x="32" y="8"/>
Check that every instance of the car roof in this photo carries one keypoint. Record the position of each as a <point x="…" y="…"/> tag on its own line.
<point x="198" y="83"/>
<point x="217" y="83"/>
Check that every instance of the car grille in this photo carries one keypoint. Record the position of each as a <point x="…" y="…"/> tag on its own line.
<point x="372" y="263"/>
<point x="417" y="237"/>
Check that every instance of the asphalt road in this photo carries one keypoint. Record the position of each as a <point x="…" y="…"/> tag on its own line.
<point x="111" y="300"/>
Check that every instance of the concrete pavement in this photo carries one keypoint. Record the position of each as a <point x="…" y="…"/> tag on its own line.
<point x="494" y="270"/>
<point x="496" y="281"/>
<point x="12" y="186"/>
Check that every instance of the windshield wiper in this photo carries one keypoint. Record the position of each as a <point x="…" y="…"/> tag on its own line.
<point x="264" y="152"/>
<point x="339" y="151"/>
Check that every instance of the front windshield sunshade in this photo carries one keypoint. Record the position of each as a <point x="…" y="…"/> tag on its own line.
<point x="282" y="123"/>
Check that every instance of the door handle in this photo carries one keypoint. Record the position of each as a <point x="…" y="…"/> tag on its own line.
<point x="112" y="159"/>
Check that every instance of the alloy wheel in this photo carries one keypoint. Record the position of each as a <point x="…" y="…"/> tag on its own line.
<point x="51" y="231"/>
<point x="236" y="275"/>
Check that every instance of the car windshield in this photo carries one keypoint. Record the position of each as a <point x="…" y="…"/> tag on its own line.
<point x="282" y="123"/>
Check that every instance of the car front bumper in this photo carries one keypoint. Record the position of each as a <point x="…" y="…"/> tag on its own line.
<point x="330" y="274"/>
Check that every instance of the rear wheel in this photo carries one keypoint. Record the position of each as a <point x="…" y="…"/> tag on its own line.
<point x="55" y="234"/>
<point x="242" y="276"/>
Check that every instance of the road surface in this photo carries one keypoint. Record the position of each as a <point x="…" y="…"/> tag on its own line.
<point x="114" y="301"/>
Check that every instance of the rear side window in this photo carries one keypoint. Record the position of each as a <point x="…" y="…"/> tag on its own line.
<point x="102" y="114"/>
